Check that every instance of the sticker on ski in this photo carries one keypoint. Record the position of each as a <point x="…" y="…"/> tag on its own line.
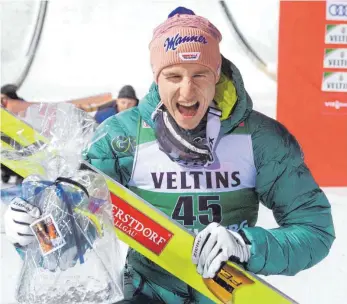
<point x="139" y="226"/>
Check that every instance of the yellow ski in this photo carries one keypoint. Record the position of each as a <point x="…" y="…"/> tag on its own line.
<point x="147" y="229"/>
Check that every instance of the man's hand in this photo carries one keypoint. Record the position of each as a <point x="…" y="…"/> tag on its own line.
<point x="215" y="245"/>
<point x="18" y="218"/>
<point x="20" y="215"/>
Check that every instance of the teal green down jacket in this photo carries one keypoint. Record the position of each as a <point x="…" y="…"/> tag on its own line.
<point x="283" y="184"/>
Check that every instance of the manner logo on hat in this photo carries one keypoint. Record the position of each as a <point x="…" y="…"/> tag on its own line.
<point x="171" y="43"/>
<point x="189" y="56"/>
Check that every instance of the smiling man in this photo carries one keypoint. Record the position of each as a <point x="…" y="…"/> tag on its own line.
<point x="186" y="91"/>
<point x="196" y="150"/>
<point x="206" y="159"/>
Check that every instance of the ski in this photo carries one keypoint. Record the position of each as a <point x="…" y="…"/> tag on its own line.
<point x="145" y="228"/>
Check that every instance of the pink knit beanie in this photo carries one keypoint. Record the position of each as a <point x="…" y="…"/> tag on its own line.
<point x="185" y="38"/>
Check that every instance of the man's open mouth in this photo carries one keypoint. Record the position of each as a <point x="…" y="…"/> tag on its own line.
<point x="189" y="109"/>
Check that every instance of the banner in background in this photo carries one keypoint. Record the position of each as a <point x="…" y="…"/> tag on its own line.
<point x="312" y="84"/>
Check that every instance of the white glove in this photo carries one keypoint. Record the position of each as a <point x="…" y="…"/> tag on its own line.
<point x="215" y="245"/>
<point x="17" y="218"/>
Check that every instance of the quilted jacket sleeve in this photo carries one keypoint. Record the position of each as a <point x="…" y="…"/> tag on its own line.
<point x="285" y="185"/>
<point x="112" y="147"/>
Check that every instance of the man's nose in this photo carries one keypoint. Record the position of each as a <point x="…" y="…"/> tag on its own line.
<point x="187" y="89"/>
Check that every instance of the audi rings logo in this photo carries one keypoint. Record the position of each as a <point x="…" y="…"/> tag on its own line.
<point x="338" y="10"/>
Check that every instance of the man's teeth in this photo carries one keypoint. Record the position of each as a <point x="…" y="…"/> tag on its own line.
<point x="188" y="104"/>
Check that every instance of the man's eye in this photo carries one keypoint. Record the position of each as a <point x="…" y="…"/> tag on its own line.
<point x="199" y="76"/>
<point x="174" y="77"/>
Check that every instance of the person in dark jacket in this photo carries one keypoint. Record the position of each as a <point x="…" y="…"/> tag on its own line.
<point x="126" y="99"/>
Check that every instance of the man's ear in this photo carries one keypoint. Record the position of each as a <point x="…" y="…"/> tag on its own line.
<point x="218" y="74"/>
<point x="156" y="79"/>
<point x="217" y="79"/>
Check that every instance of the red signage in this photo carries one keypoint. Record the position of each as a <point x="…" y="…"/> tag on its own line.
<point x="139" y="227"/>
<point x="312" y="85"/>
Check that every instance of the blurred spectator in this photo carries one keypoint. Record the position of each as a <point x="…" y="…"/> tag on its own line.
<point x="126" y="99"/>
<point x="9" y="91"/>
<point x="105" y="111"/>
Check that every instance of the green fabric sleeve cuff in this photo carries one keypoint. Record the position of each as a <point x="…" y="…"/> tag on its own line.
<point x="257" y="261"/>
